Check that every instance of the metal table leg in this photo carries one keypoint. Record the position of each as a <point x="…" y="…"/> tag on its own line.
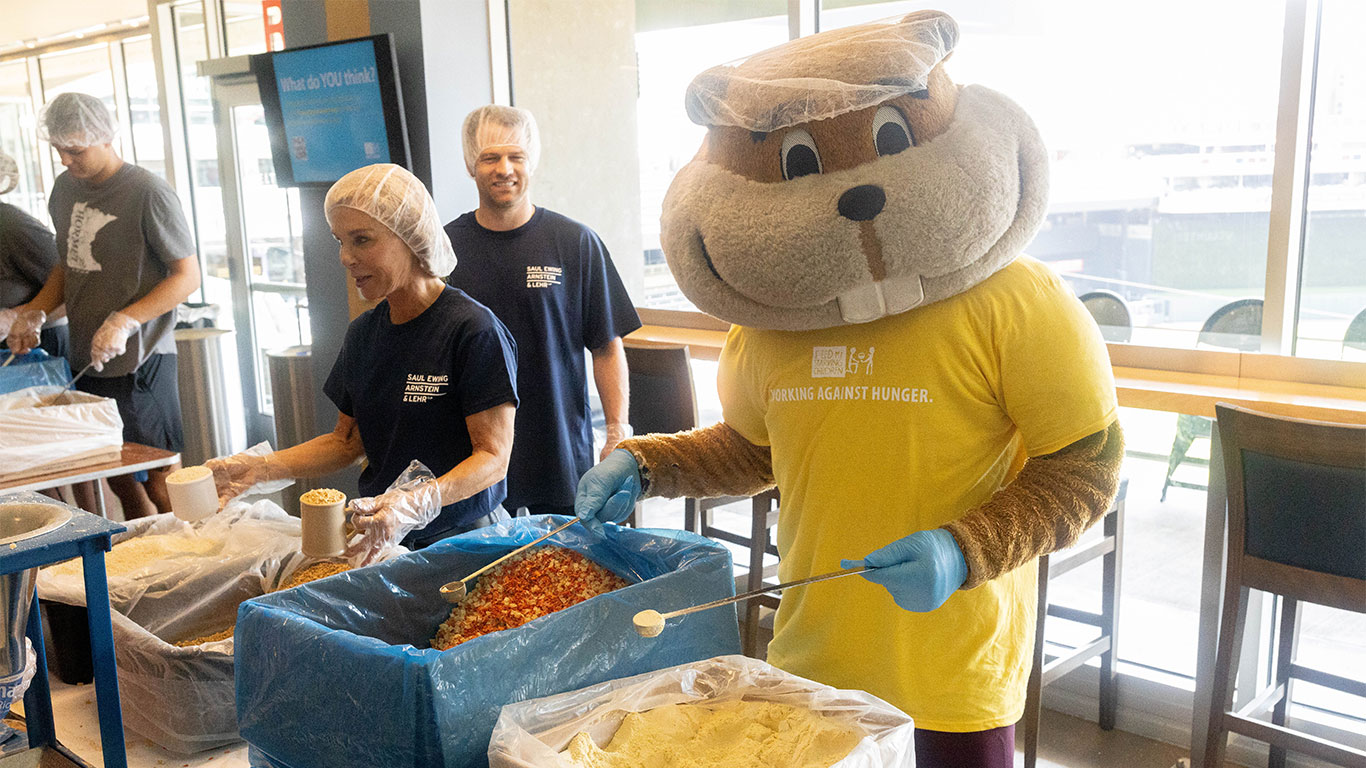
<point x="102" y="653"/>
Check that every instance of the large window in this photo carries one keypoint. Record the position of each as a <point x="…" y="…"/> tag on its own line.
<point x="82" y="70"/>
<point x="668" y="59"/>
<point x="18" y="137"/>
<point x="144" y="111"/>
<point x="1333" y="279"/>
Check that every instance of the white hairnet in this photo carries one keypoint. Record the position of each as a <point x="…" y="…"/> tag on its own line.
<point x="397" y="199"/>
<point x="823" y="75"/>
<point x="498" y="126"/>
<point x="9" y="173"/>
<point x="76" y="120"/>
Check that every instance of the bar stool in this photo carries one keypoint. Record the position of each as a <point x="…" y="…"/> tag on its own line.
<point x="763" y="518"/>
<point x="1045" y="671"/>
<point x="1296" y="524"/>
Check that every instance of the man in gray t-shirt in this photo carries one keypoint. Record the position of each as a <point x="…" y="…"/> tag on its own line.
<point x="126" y="262"/>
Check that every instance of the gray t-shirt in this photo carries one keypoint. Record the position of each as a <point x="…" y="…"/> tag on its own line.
<point x="115" y="240"/>
<point x="27" y="254"/>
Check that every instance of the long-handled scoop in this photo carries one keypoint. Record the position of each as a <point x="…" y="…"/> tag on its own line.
<point x="651" y="622"/>
<point x="69" y="384"/>
<point x="455" y="590"/>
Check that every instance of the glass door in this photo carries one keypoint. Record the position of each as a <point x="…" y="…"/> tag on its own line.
<point x="263" y="231"/>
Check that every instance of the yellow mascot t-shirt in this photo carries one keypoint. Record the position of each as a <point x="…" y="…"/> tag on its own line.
<point x="903" y="424"/>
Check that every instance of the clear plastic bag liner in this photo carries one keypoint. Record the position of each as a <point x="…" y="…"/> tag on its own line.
<point x="183" y="698"/>
<point x="40" y="431"/>
<point x="531" y="734"/>
<point x="34" y="369"/>
<point x="825" y="75"/>
<point x="340" y="672"/>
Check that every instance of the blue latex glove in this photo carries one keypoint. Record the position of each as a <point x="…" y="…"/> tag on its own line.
<point x="921" y="570"/>
<point x="608" y="491"/>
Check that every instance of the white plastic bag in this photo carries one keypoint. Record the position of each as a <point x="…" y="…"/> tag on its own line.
<point x="532" y="733"/>
<point x="183" y="698"/>
<point x="76" y="430"/>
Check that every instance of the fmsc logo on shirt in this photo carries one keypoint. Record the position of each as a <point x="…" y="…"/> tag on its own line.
<point x="838" y="362"/>
<point x="419" y="388"/>
<point x="544" y="277"/>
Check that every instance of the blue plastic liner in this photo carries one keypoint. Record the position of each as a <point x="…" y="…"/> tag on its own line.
<point x="34" y="369"/>
<point x="339" y="672"/>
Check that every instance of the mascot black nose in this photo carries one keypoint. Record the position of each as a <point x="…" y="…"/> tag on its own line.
<point x="862" y="203"/>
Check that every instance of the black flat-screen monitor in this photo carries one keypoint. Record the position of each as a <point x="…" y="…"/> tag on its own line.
<point x="332" y="108"/>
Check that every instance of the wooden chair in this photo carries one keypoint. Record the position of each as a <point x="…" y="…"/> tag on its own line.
<point x="1044" y="670"/>
<point x="1297" y="529"/>
<point x="763" y="518"/>
<point x="663" y="400"/>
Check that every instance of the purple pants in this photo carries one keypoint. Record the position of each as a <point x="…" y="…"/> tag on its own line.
<point x="980" y="749"/>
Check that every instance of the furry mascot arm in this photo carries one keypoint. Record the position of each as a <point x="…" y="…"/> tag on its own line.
<point x="1047" y="507"/>
<point x="701" y="463"/>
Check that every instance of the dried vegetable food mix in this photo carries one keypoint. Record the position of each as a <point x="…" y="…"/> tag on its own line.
<point x="533" y="584"/>
<point x="735" y="734"/>
<point x="301" y="576"/>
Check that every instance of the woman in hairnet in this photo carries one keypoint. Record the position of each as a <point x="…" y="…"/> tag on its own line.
<point x="425" y="382"/>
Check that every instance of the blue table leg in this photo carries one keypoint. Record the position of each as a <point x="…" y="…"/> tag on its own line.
<point x="38" y="697"/>
<point x="102" y="653"/>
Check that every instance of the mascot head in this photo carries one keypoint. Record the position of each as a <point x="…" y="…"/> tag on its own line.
<point x="844" y="177"/>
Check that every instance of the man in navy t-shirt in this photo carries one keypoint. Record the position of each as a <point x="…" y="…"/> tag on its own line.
<point x="551" y="281"/>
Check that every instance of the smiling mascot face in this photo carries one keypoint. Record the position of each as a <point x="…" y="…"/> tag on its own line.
<point x="845" y="177"/>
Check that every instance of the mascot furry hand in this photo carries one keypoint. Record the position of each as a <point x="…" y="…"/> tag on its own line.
<point x="920" y="392"/>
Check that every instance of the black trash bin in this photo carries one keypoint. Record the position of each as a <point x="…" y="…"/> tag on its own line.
<point x="68" y="642"/>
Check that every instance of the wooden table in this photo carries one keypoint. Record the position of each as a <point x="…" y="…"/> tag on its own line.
<point x="135" y="457"/>
<point x="1325" y="390"/>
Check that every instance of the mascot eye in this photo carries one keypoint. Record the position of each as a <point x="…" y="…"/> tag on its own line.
<point x="891" y="134"/>
<point x="799" y="155"/>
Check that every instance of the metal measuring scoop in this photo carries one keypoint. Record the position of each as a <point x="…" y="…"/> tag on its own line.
<point x="58" y="397"/>
<point x="455" y="590"/>
<point x="651" y="622"/>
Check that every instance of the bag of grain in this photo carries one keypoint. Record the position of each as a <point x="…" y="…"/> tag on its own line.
<point x="341" y="672"/>
<point x="172" y="582"/>
<point x="44" y="429"/>
<point x="852" y="729"/>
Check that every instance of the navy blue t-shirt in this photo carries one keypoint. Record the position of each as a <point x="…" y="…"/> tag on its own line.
<point x="552" y="282"/>
<point x="410" y="386"/>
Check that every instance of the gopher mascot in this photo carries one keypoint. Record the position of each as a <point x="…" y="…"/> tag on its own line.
<point x="922" y="394"/>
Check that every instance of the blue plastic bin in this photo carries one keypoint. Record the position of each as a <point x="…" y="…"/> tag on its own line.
<point x="339" y="672"/>
<point x="34" y="369"/>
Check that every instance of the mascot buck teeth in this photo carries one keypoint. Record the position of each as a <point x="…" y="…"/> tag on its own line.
<point x="927" y="399"/>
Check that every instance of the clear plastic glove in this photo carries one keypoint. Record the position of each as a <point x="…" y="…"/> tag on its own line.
<point x="111" y="340"/>
<point x="921" y="571"/>
<point x="608" y="491"/>
<point x="410" y="503"/>
<point x="251" y="471"/>
<point x="615" y="434"/>
<point x="25" y="331"/>
<point x="7" y="318"/>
